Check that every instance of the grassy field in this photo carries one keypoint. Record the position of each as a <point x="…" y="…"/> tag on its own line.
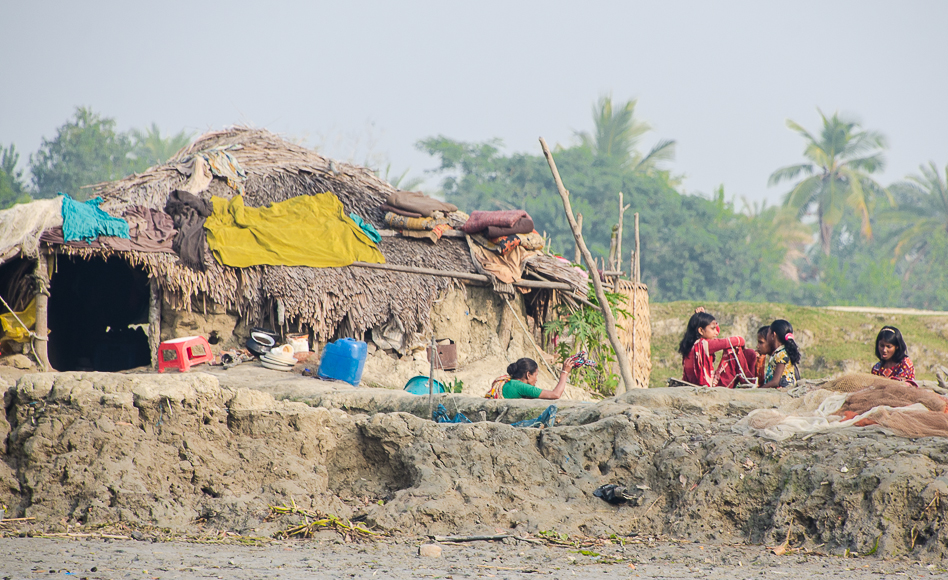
<point x="832" y="342"/>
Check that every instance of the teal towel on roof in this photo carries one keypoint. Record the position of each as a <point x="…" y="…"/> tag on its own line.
<point x="368" y="228"/>
<point x="86" y="222"/>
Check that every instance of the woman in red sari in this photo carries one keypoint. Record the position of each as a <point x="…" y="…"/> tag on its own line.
<point x="698" y="347"/>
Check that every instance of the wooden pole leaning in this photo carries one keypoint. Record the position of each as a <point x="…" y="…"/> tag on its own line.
<point x="624" y="370"/>
<point x="579" y="220"/>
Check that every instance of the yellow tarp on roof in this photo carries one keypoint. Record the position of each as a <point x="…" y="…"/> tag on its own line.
<point x="308" y="230"/>
<point x="12" y="327"/>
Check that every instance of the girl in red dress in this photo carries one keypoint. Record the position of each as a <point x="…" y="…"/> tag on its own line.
<point x="698" y="347"/>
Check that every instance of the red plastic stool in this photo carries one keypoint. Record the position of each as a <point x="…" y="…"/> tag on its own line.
<point x="183" y="352"/>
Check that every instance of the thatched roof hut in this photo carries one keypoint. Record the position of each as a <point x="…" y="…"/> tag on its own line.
<point x="323" y="299"/>
<point x="330" y="302"/>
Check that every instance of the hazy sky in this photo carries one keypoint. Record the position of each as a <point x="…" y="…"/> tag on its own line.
<point x="372" y="78"/>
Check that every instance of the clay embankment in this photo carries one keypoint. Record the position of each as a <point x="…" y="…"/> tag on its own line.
<point x="169" y="451"/>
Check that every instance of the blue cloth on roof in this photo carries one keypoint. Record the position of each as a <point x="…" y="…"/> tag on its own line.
<point x="441" y="416"/>
<point x="546" y="419"/>
<point x="368" y="228"/>
<point x="86" y="222"/>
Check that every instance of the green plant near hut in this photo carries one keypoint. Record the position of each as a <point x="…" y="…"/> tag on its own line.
<point x="584" y="328"/>
<point x="455" y="386"/>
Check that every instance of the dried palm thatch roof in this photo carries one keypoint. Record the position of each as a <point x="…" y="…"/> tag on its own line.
<point x="325" y="298"/>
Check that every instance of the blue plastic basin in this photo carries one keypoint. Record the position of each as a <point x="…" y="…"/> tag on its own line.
<point x="419" y="386"/>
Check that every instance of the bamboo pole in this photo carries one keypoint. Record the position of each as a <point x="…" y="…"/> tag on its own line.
<point x="635" y="296"/>
<point x="638" y="252"/>
<point x="431" y="354"/>
<point x="624" y="371"/>
<point x="612" y="250"/>
<point x="461" y="275"/>
<point x="41" y="328"/>
<point x="154" y="319"/>
<point x="618" y="266"/>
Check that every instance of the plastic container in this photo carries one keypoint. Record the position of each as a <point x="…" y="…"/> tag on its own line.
<point x="343" y="360"/>
<point x="300" y="342"/>
<point x="419" y="386"/>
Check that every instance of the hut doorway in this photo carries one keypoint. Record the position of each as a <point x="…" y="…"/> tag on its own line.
<point x="98" y="315"/>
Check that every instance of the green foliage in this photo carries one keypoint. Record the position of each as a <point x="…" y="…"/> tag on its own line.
<point x="922" y="210"/>
<point x="86" y="150"/>
<point x="923" y="275"/>
<point x="841" y="160"/>
<point x="149" y="148"/>
<point x="585" y="329"/>
<point x="455" y="386"/>
<point x="858" y="280"/>
<point x="691" y="246"/>
<point x="13" y="189"/>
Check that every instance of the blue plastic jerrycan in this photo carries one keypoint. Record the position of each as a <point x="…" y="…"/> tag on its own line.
<point x="343" y="360"/>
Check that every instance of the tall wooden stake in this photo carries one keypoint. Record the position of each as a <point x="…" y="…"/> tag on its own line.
<point x="612" y="250"/>
<point x="635" y="299"/>
<point x="622" y="209"/>
<point x="154" y="319"/>
<point x="41" y="329"/>
<point x="638" y="252"/>
<point x="432" y="354"/>
<point x="624" y="370"/>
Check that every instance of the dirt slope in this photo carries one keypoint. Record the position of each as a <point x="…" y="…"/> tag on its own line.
<point x="175" y="450"/>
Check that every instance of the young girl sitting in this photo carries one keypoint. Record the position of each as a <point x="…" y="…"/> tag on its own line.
<point x="698" y="347"/>
<point x="764" y="351"/>
<point x="781" y="369"/>
<point x="892" y="353"/>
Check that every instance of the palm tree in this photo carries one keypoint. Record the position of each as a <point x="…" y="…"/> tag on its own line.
<point x="840" y="162"/>
<point x="618" y="133"/>
<point x="923" y="209"/>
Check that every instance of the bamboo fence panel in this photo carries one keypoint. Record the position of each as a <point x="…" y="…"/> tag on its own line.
<point x="638" y="346"/>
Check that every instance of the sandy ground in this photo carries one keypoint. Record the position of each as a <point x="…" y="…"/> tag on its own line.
<point x="329" y="558"/>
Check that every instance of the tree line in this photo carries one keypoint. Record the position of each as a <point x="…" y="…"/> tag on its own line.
<point x="85" y="150"/>
<point x="838" y="237"/>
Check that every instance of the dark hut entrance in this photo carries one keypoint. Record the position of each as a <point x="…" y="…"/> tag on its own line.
<point x="98" y="315"/>
<point x="16" y="283"/>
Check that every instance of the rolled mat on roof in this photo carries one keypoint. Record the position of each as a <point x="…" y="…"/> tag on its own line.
<point x="481" y="220"/>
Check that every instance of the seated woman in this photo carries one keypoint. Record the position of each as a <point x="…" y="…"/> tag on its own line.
<point x="892" y="353"/>
<point x="523" y="380"/>
<point x="698" y="347"/>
